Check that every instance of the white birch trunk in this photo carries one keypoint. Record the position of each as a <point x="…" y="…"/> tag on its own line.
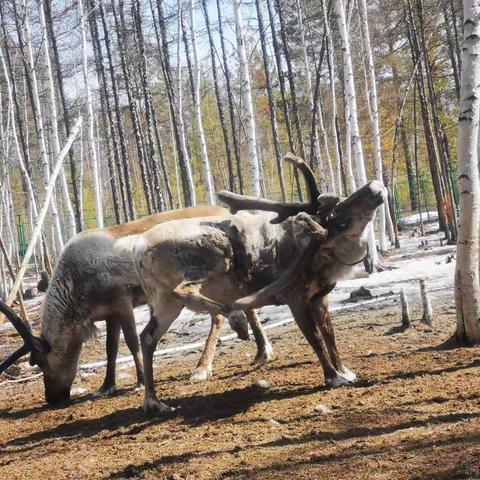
<point x="308" y="81"/>
<point x="351" y="100"/>
<point x="209" y="188"/>
<point x="334" y="95"/>
<point x="53" y="110"/>
<point x="179" y="105"/>
<point x="467" y="288"/>
<point x="97" y="192"/>
<point x="373" y="110"/>
<point x="247" y="104"/>
<point x="37" y="111"/>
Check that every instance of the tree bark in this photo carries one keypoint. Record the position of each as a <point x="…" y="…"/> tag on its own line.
<point x="248" y="113"/>
<point x="207" y="173"/>
<point x="271" y="102"/>
<point x="467" y="285"/>
<point x="76" y="188"/>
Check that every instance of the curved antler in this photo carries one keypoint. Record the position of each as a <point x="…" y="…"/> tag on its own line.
<point x="284" y="209"/>
<point x="309" y="228"/>
<point x="308" y="175"/>
<point x="24" y="331"/>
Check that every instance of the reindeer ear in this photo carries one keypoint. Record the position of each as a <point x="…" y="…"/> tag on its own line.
<point x="326" y="202"/>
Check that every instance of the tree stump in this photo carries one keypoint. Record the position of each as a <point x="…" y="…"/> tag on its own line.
<point x="405" y="310"/>
<point x="427" y="317"/>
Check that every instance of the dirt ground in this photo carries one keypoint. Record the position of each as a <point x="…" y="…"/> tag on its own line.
<point x="414" y="414"/>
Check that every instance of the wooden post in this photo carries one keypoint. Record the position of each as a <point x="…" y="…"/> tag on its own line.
<point x="405" y="310"/>
<point x="427" y="304"/>
<point x="23" y="310"/>
<point x="43" y="212"/>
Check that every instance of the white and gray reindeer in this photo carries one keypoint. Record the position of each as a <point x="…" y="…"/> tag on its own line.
<point x="92" y="282"/>
<point x="248" y="260"/>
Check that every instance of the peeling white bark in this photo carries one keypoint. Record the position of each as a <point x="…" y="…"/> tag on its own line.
<point x="467" y="287"/>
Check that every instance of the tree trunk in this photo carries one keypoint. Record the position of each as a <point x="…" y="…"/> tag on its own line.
<point x="113" y="152"/>
<point x="125" y="168"/>
<point x="283" y="93"/>
<point x="231" y="104"/>
<point x="248" y="114"/>
<point x="308" y="83"/>
<point x="271" y="102"/>
<point x="351" y="101"/>
<point x="157" y="200"/>
<point x="331" y="75"/>
<point x="97" y="192"/>
<point x="37" y="111"/>
<point x="209" y="187"/>
<point x="373" y="109"/>
<point x="183" y="161"/>
<point x="467" y="287"/>
<point x="50" y="37"/>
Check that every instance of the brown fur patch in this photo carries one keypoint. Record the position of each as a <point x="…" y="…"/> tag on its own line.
<point x="143" y="224"/>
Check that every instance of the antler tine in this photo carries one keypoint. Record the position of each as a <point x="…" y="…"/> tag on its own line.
<point x="308" y="175"/>
<point x="284" y="210"/>
<point x="24" y="331"/>
<point x="263" y="296"/>
<point x="22" y="328"/>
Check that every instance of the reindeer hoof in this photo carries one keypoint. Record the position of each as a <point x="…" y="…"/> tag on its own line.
<point x="264" y="356"/>
<point x="201" y="375"/>
<point x="348" y="374"/>
<point x="152" y="406"/>
<point x="340" y="380"/>
<point x="105" y="391"/>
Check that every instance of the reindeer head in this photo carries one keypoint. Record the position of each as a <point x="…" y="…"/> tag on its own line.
<point x="335" y="228"/>
<point x="59" y="365"/>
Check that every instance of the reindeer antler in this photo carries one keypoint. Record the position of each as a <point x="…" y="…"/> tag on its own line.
<point x="306" y="228"/>
<point x="242" y="202"/>
<point x="24" y="331"/>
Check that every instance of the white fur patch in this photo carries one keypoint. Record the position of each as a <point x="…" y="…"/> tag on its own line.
<point x="130" y="246"/>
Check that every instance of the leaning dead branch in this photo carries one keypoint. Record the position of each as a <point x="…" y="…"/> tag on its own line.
<point x="43" y="212"/>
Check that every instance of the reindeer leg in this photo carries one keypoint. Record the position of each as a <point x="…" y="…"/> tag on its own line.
<point x="165" y="311"/>
<point x="303" y="317"/>
<point x="127" y="322"/>
<point x="264" y="347"/>
<point x="324" y="322"/>
<point x="190" y="290"/>
<point x="203" y="371"/>
<point x="113" y="335"/>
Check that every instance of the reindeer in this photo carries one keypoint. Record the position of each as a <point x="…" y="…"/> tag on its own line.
<point x="216" y="263"/>
<point x="90" y="283"/>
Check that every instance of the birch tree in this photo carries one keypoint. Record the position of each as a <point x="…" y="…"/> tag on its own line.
<point x="467" y="287"/>
<point x="247" y="103"/>
<point x="271" y="102"/>
<point x="308" y="84"/>
<point x="373" y="110"/>
<point x="228" y="85"/>
<point x="54" y="122"/>
<point x="97" y="192"/>
<point x="331" y="73"/>
<point x="209" y="188"/>
<point x="351" y="101"/>
<point x="37" y="111"/>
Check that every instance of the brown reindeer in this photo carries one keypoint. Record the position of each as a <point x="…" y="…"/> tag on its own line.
<point x="92" y="282"/>
<point x="294" y="258"/>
